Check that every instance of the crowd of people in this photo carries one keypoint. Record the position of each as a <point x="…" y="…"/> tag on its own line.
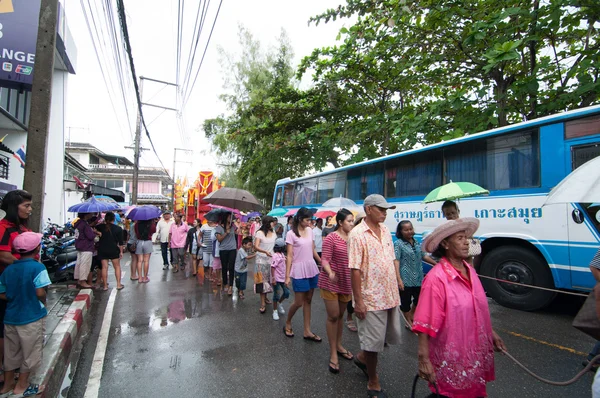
<point x="354" y="262"/>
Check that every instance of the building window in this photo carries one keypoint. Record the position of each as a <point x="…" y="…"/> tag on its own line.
<point x="4" y="162"/>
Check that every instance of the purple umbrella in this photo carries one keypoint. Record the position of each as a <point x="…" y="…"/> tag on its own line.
<point x="141" y="213"/>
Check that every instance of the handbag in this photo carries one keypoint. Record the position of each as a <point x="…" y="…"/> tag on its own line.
<point x="267" y="288"/>
<point x="258" y="283"/>
<point x="587" y="318"/>
<point x="474" y="247"/>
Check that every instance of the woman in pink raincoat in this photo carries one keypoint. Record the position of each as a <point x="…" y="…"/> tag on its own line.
<point x="456" y="340"/>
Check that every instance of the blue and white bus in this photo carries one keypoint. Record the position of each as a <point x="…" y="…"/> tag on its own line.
<point x="522" y="241"/>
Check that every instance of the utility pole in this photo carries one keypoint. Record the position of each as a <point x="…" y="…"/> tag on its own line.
<point x="174" y="163"/>
<point x="39" y="120"/>
<point x="138" y="136"/>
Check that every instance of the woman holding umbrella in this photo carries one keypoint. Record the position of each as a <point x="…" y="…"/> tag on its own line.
<point x="85" y="237"/>
<point x="145" y="227"/>
<point x="264" y="241"/>
<point x="110" y="247"/>
<point x="225" y="235"/>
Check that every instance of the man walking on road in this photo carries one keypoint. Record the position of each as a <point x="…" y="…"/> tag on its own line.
<point x="163" y="228"/>
<point x="177" y="239"/>
<point x="375" y="288"/>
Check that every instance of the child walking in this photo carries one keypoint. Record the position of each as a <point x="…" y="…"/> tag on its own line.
<point x="22" y="285"/>
<point x="241" y="265"/>
<point x="278" y="278"/>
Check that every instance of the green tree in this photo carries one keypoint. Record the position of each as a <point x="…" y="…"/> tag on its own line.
<point x="272" y="130"/>
<point x="431" y="70"/>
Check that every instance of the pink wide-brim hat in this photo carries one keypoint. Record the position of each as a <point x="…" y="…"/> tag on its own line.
<point x="449" y="228"/>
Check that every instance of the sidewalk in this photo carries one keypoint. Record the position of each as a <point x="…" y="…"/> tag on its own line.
<point x="67" y="310"/>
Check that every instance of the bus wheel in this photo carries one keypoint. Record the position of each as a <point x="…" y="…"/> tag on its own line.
<point x="517" y="264"/>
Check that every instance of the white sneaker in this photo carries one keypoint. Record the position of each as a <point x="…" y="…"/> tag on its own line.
<point x="281" y="309"/>
<point x="275" y="316"/>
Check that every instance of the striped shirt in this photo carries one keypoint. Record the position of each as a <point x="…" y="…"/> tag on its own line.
<point x="335" y="252"/>
<point x="596" y="260"/>
<point x="207" y="238"/>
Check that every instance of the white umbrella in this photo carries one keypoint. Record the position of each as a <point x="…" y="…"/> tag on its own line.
<point x="581" y="186"/>
<point x="339" y="203"/>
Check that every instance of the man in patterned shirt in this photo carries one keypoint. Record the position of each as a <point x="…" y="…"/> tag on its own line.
<point x="375" y="288"/>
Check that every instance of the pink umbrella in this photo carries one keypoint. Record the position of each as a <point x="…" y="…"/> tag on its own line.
<point x="291" y="212"/>
<point x="325" y="214"/>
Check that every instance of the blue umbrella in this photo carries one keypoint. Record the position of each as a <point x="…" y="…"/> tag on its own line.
<point x="93" y="206"/>
<point x="141" y="213"/>
<point x="253" y="214"/>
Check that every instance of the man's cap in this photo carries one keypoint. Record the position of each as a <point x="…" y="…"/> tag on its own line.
<point x="27" y="241"/>
<point x="377" y="200"/>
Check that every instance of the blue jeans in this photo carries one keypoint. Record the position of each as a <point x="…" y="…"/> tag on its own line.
<point x="595" y="351"/>
<point x="240" y="280"/>
<point x="276" y="296"/>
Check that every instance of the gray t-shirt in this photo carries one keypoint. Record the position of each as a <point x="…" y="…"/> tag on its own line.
<point x="206" y="238"/>
<point x="241" y="262"/>
<point x="229" y="242"/>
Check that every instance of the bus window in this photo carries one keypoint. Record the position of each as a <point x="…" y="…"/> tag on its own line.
<point x="278" y="196"/>
<point x="305" y="192"/>
<point x="505" y="162"/>
<point x="364" y="181"/>
<point x="331" y="186"/>
<point x="582" y="153"/>
<point x="413" y="175"/>
<point x="288" y="195"/>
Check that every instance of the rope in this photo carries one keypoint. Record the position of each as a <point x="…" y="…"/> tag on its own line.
<point x="534" y="287"/>
<point x="555" y="383"/>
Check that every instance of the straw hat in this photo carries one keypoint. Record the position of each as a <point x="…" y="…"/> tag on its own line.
<point x="449" y="228"/>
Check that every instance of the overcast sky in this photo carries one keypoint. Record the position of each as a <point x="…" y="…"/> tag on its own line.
<point x="152" y="27"/>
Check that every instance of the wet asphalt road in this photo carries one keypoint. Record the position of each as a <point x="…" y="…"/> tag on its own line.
<point x="177" y="337"/>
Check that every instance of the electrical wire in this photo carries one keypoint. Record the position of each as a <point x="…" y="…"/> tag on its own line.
<point x="187" y="96"/>
<point x="123" y="21"/>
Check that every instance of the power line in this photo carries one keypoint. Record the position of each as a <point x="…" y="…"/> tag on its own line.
<point x="123" y="21"/>
<point x="203" y="55"/>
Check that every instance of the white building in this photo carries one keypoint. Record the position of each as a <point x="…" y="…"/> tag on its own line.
<point x="15" y="101"/>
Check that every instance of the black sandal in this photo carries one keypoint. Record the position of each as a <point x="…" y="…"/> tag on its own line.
<point x="376" y="393"/>
<point x="362" y="366"/>
<point x="332" y="369"/>
<point x="288" y="332"/>
<point x="346" y="355"/>
<point x="314" y="338"/>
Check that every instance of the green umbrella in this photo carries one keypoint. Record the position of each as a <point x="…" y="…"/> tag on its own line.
<point x="279" y="212"/>
<point x="454" y="190"/>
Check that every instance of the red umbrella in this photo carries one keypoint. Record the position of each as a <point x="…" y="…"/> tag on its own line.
<point x="325" y="213"/>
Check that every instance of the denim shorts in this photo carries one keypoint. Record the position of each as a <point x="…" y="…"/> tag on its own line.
<point x="305" y="284"/>
<point x="240" y="280"/>
<point x="276" y="288"/>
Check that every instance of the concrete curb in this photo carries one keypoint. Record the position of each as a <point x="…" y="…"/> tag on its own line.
<point x="58" y="348"/>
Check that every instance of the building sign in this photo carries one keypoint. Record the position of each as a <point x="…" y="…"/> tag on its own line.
<point x="18" y="36"/>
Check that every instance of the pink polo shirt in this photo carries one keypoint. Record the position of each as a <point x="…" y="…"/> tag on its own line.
<point x="178" y="235"/>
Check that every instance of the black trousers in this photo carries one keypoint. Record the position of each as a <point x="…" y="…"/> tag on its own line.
<point x="228" y="266"/>
<point x="164" y="249"/>
<point x="409" y="296"/>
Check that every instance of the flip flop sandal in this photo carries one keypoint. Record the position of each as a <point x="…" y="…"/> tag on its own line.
<point x="121" y="288"/>
<point x="346" y="355"/>
<point x="286" y="331"/>
<point x="135" y="279"/>
<point x="6" y="394"/>
<point x="332" y="369"/>
<point x="351" y="326"/>
<point x="175" y="270"/>
<point x="362" y="366"/>
<point x="314" y="338"/>
<point x="376" y="393"/>
<point x="31" y="390"/>
<point x="267" y="301"/>
<point x="104" y="289"/>
<point x="262" y="310"/>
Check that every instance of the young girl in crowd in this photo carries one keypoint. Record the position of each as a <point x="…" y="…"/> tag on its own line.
<point x="408" y="264"/>
<point x="301" y="271"/>
<point x="278" y="278"/>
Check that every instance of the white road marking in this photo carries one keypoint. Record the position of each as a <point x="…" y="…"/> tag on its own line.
<point x="93" y="385"/>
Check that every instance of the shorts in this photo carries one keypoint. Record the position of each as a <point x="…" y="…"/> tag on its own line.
<point x="333" y="296"/>
<point x="216" y="262"/>
<point x="23" y="345"/>
<point x="305" y="284"/>
<point x="83" y="265"/>
<point x="240" y="280"/>
<point x="409" y="296"/>
<point x="144" y="247"/>
<point x="109" y="255"/>
<point x="207" y="259"/>
<point x="2" y="312"/>
<point x="285" y="291"/>
<point x="378" y="328"/>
